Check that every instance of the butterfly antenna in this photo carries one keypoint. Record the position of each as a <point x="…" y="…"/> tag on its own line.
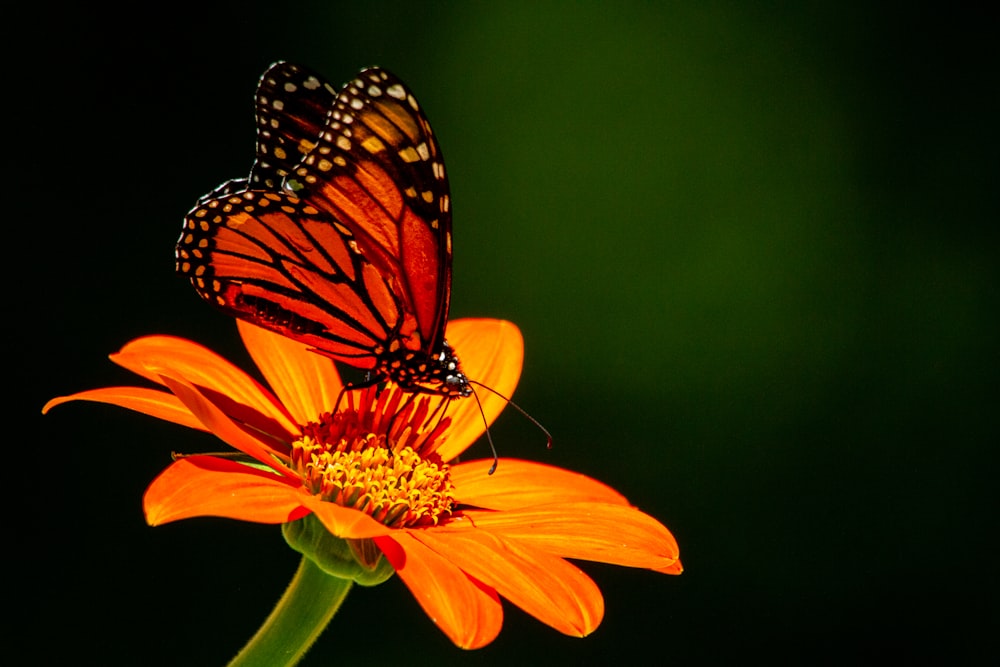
<point x="489" y="438"/>
<point x="548" y="436"/>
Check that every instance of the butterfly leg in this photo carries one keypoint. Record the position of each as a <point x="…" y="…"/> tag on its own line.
<point x="352" y="386"/>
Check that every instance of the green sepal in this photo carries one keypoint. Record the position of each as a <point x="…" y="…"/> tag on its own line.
<point x="356" y="560"/>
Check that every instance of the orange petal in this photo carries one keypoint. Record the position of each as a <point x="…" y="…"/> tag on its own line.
<point x="307" y="383"/>
<point x="549" y="588"/>
<point x="468" y="612"/>
<point x="676" y="568"/>
<point x="154" y="356"/>
<point x="519" y="483"/>
<point x="210" y="486"/>
<point x="266" y="450"/>
<point x="147" y="401"/>
<point x="344" y="521"/>
<point x="602" y="532"/>
<point x="491" y="353"/>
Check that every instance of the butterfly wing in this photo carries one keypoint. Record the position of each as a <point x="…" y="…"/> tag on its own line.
<point x="341" y="236"/>
<point x="377" y="168"/>
<point x="283" y="264"/>
<point x="292" y="104"/>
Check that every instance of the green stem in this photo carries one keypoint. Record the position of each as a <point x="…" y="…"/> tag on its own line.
<point x="308" y="604"/>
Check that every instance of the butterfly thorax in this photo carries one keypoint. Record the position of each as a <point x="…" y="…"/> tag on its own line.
<point x="440" y="374"/>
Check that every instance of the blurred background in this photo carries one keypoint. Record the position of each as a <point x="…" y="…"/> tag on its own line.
<point x="753" y="252"/>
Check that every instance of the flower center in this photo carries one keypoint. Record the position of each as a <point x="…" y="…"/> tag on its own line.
<point x="378" y="460"/>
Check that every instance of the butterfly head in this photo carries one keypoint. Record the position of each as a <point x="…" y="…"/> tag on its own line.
<point x="454" y="379"/>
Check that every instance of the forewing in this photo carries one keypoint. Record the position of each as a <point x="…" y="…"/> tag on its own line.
<point x="377" y="168"/>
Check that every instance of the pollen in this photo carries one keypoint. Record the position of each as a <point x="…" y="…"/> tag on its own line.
<point x="378" y="458"/>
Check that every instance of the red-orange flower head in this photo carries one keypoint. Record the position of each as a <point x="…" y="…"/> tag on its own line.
<point x="378" y="458"/>
<point x="381" y="470"/>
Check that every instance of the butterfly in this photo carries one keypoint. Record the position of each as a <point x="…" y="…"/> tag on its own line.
<point x="340" y="237"/>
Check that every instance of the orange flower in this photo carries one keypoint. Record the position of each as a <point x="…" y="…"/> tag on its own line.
<point x="457" y="536"/>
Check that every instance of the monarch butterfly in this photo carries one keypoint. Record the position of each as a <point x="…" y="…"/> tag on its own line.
<point x="340" y="237"/>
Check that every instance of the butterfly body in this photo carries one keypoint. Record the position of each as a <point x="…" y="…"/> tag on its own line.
<point x="341" y="235"/>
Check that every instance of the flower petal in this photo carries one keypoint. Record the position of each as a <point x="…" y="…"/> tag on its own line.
<point x="518" y="483"/>
<point x="468" y="612"/>
<point x="147" y="401"/>
<point x="240" y="395"/>
<point x="344" y="521"/>
<point x="491" y="353"/>
<point x="676" y="568"/>
<point x="549" y="588"/>
<point x="210" y="486"/>
<point x="307" y="383"/>
<point x="615" y="534"/>
<point x="265" y="450"/>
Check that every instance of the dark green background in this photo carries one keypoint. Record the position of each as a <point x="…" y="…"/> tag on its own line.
<point x="752" y="249"/>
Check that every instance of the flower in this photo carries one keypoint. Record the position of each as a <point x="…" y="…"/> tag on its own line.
<point x="380" y="469"/>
